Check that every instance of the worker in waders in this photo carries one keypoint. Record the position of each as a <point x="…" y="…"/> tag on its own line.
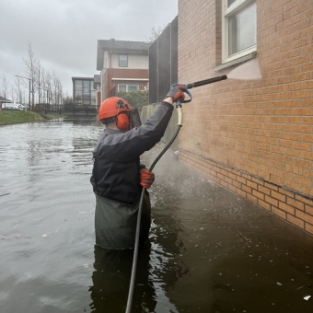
<point x="117" y="175"/>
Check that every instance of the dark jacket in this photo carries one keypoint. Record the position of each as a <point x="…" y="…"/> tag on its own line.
<point x="116" y="171"/>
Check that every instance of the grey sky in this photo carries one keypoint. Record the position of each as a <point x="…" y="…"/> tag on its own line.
<point x="64" y="33"/>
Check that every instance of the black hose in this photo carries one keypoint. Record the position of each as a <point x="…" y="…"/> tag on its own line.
<point x="135" y="255"/>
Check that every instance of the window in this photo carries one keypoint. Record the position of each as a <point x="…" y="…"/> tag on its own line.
<point x="122" y="88"/>
<point x="133" y="87"/>
<point x="84" y="93"/>
<point x="123" y="60"/>
<point x="78" y="85"/>
<point x="128" y="88"/>
<point x="239" y="28"/>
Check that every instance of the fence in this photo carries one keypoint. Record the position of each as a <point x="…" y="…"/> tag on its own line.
<point x="79" y="110"/>
<point x="46" y="108"/>
<point x="163" y="62"/>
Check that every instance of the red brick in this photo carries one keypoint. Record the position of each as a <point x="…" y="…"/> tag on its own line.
<point x="272" y="201"/>
<point x="294" y="220"/>
<point x="258" y="194"/>
<point x="280" y="213"/>
<point x="265" y="205"/>
<point x="295" y="203"/>
<point x="309" y="209"/>
<point x="264" y="190"/>
<point x="309" y="228"/>
<point x="305" y="217"/>
<point x="271" y="186"/>
<point x="287" y="208"/>
<point x="278" y="196"/>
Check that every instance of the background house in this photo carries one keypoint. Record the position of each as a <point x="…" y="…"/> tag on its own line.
<point x="3" y="100"/>
<point x="252" y="137"/>
<point x="97" y="87"/>
<point x="123" y="66"/>
<point x="84" y="91"/>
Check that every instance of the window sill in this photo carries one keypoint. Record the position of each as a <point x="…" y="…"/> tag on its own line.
<point x="245" y="58"/>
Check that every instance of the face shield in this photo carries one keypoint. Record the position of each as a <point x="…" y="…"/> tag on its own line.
<point x="134" y="118"/>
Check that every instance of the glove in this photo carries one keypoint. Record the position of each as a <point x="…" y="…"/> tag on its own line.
<point x="177" y="93"/>
<point x="146" y="178"/>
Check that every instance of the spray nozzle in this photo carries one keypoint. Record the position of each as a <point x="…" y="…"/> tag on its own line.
<point x="206" y="81"/>
<point x="197" y="84"/>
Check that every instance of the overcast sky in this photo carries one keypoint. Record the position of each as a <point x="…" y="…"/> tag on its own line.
<point x="64" y="33"/>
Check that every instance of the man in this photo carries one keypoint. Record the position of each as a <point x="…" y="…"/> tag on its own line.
<point x="118" y="177"/>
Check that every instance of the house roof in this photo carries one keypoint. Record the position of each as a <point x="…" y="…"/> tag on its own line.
<point x="4" y="100"/>
<point x="120" y="46"/>
<point x="82" y="78"/>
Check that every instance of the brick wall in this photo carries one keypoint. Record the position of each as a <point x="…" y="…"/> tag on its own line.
<point x="253" y="137"/>
<point x="129" y="73"/>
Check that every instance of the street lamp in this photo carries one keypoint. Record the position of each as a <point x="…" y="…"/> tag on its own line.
<point x="30" y="88"/>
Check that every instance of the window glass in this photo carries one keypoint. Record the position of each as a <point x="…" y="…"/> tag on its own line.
<point x="128" y="88"/>
<point x="78" y="85"/>
<point x="122" y="88"/>
<point x="86" y="86"/>
<point x="93" y="97"/>
<point x="123" y="60"/>
<point x="239" y="28"/>
<point x="133" y="87"/>
<point x="242" y="30"/>
<point x="78" y="96"/>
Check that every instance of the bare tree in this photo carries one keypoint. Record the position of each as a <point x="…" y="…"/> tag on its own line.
<point x="155" y="32"/>
<point x="32" y="70"/>
<point x="57" y="90"/>
<point x="40" y="91"/>
<point x="19" y="90"/>
<point x="48" y="83"/>
<point x="44" y="85"/>
<point x="12" y="91"/>
<point x="67" y="99"/>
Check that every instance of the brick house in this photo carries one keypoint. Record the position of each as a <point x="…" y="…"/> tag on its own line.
<point x="123" y="66"/>
<point x="255" y="138"/>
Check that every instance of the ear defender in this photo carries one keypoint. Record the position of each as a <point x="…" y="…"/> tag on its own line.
<point x="122" y="118"/>
<point x="122" y="121"/>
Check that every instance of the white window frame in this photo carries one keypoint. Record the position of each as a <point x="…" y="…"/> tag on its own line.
<point x="226" y="13"/>
<point x="120" y="61"/>
<point x="127" y="86"/>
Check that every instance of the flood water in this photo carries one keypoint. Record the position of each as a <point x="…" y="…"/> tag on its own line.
<point x="210" y="251"/>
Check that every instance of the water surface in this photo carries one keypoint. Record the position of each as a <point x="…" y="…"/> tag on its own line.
<point x="209" y="250"/>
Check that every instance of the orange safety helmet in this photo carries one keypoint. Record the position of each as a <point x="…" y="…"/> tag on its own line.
<point x="115" y="109"/>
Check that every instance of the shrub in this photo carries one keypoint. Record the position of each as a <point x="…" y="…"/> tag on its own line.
<point x="137" y="99"/>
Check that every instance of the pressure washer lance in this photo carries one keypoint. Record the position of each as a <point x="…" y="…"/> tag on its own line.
<point x="179" y="125"/>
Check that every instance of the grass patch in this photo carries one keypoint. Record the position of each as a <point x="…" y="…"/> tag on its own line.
<point x="8" y="117"/>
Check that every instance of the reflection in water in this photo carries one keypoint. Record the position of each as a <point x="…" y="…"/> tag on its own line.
<point x="157" y="271"/>
<point x="111" y="281"/>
